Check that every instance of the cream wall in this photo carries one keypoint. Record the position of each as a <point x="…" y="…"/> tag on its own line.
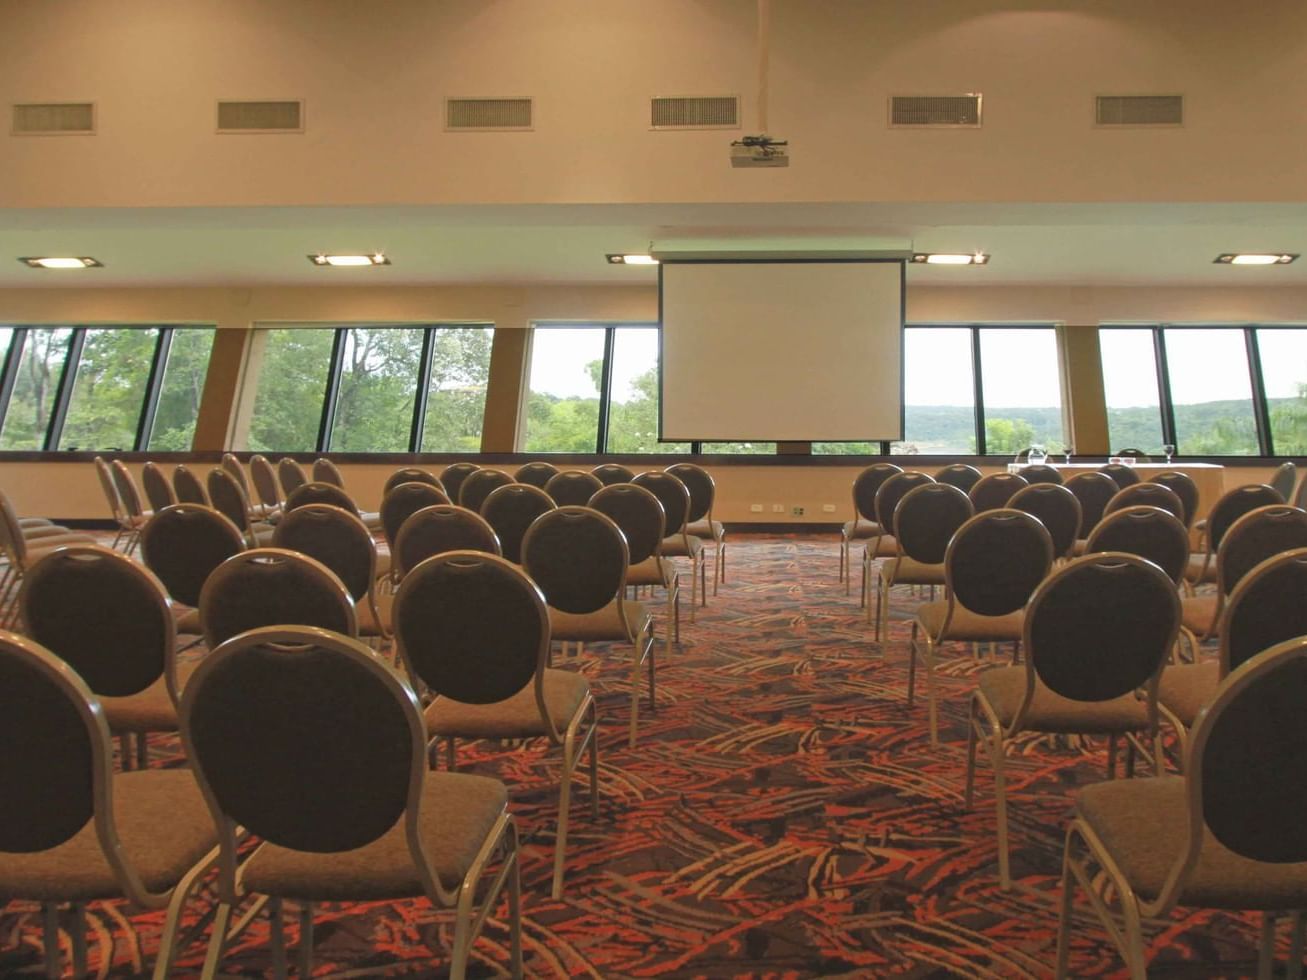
<point x="374" y="77"/>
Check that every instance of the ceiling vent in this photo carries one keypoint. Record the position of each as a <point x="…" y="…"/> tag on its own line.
<point x="53" y="118"/>
<point x="261" y="117"/>
<point x="489" y="115"/>
<point x="694" y="112"/>
<point x="951" y="111"/>
<point x="1139" y="110"/>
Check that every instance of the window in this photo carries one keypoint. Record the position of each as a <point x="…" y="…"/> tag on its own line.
<point x="374" y="389"/>
<point x="1216" y="390"/>
<point x="100" y="388"/>
<point x="1022" y="389"/>
<point x="939" y="392"/>
<point x="595" y="389"/>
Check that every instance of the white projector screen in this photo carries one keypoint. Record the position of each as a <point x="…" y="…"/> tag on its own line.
<point x="782" y="351"/>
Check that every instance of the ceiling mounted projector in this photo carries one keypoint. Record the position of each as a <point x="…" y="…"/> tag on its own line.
<point x="759" y="151"/>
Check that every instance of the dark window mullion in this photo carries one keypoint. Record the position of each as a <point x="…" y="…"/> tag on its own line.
<point x="424" y="384"/>
<point x="332" y="391"/>
<point x="1164" y="388"/>
<point x="605" y="390"/>
<point x="979" y="391"/>
<point x="153" y="385"/>
<point x="9" y="375"/>
<point x="64" y="392"/>
<point x="1261" y="410"/>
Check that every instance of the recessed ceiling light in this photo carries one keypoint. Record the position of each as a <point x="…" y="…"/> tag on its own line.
<point x="950" y="258"/>
<point x="1255" y="258"/>
<point x="375" y="258"/>
<point x="617" y="259"/>
<point x="61" y="262"/>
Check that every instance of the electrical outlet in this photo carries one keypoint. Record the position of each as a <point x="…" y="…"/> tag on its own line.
<point x="755" y="508"/>
<point x="797" y="511"/>
<point x="828" y="508"/>
<point x="778" y="508"/>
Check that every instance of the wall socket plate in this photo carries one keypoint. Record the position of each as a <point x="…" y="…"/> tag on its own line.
<point x="778" y="508"/>
<point x="755" y="508"/>
<point x="797" y="511"/>
<point x="828" y="508"/>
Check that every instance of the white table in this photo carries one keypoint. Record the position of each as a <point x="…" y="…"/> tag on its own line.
<point x="1208" y="477"/>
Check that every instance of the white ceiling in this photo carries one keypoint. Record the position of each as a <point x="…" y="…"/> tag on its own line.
<point x="1045" y="244"/>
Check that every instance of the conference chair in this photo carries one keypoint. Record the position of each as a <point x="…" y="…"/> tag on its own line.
<point x="643" y="522"/>
<point x="229" y="500"/>
<point x="474" y="490"/>
<point x="699" y="521"/>
<point x="188" y="488"/>
<point x="964" y="476"/>
<point x="535" y="474"/>
<point x="341" y="542"/>
<point x="72" y="831"/>
<point x="610" y="473"/>
<point x="1041" y="473"/>
<point x="341" y="802"/>
<point x="326" y="471"/>
<point x="116" y="509"/>
<point x="266" y="487"/>
<point x="864" y="524"/>
<point x="107" y="617"/>
<point x="1183" y="486"/>
<point x="1232" y="505"/>
<point x="1093" y="490"/>
<point x="888" y="495"/>
<point x="455" y="610"/>
<point x="923" y="521"/>
<point x="453" y="475"/>
<point x="1138" y="455"/>
<point x="510" y="510"/>
<point x="1120" y="474"/>
<point x="411" y="474"/>
<point x="1227" y="834"/>
<point x="290" y="475"/>
<point x="572" y="488"/>
<point x="1147" y="532"/>
<point x="674" y="495"/>
<point x="22" y="554"/>
<point x="1147" y="495"/>
<point x="578" y="557"/>
<point x="182" y="545"/>
<point x="158" y="490"/>
<point x="1097" y="632"/>
<point x="404" y="500"/>
<point x="130" y="496"/>
<point x="1284" y="479"/>
<point x="437" y="529"/>
<point x="318" y="492"/>
<point x="1056" y="508"/>
<point x="233" y="466"/>
<point x="1263" y="609"/>
<point x="273" y="587"/>
<point x="992" y="565"/>
<point x="995" y="490"/>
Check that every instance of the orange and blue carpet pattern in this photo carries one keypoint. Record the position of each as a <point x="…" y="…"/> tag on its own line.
<point x="783" y="815"/>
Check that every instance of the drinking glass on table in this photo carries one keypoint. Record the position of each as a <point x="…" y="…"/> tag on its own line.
<point x="1069" y="451"/>
<point x="1170" y="451"/>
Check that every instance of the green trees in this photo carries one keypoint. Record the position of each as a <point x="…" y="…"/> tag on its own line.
<point x="108" y="390"/>
<point x="28" y="416"/>
<point x="179" y="395"/>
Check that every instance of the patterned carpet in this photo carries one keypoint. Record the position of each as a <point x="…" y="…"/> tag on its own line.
<point x="783" y="816"/>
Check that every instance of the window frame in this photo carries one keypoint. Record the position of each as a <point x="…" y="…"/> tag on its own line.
<point x="63" y="392"/>
<point x="336" y="363"/>
<point x="1257" y="381"/>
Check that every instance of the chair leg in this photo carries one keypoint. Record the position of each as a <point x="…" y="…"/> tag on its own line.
<point x="1111" y="756"/>
<point x="1000" y="807"/>
<point x="564" y="809"/>
<point x="172" y="922"/>
<point x="306" y="940"/>
<point x="514" y="908"/>
<point x="971" y="755"/>
<point x="1064" y="915"/>
<point x="451" y="753"/>
<point x="217" y="944"/>
<point x="594" y="763"/>
<point x="702" y="562"/>
<point x="50" y="940"/>
<point x="1266" y="950"/>
<point x="844" y="563"/>
<point x="125" y="750"/>
<point x="1294" y="969"/>
<point x="142" y="750"/>
<point x="276" y="938"/>
<point x="932" y="702"/>
<point x="912" y="666"/>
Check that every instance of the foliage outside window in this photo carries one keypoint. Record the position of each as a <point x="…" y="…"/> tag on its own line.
<point x="1015" y="371"/>
<point x="101" y="388"/>
<point x="1222" y="391"/>
<point x="371" y="389"/>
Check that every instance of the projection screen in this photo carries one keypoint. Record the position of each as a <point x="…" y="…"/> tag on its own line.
<point x="764" y="351"/>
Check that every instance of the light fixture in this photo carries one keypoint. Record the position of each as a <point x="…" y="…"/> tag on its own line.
<point x="346" y="260"/>
<point x="1255" y="258"/>
<point x="619" y="259"/>
<point x="61" y="262"/>
<point x="950" y="258"/>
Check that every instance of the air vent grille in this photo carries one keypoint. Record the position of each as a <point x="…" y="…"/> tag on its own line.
<point x="1139" y="110"/>
<point x="934" y="110"/>
<point x="695" y="112"/>
<point x="53" y="118"/>
<point x="261" y="117"/>
<point x="488" y="114"/>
